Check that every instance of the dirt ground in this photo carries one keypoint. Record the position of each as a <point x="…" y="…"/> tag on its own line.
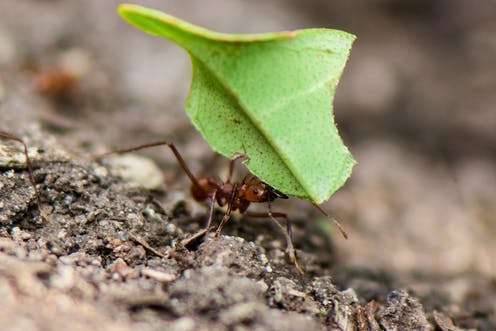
<point x="416" y="107"/>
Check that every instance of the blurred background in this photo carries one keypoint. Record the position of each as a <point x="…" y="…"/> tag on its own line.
<point x="415" y="105"/>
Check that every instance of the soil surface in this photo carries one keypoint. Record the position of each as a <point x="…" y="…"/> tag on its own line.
<point x="103" y="250"/>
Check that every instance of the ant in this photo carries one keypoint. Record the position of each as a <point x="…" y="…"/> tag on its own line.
<point x="236" y="196"/>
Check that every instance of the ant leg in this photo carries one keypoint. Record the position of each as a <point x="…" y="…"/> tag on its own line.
<point x="174" y="150"/>
<point x="29" y="165"/>
<point x="211" y="211"/>
<point x="225" y="219"/>
<point x="233" y="161"/>
<point x="188" y="242"/>
<point x="288" y="233"/>
<point x="335" y="221"/>
<point x="200" y="234"/>
<point x="227" y="215"/>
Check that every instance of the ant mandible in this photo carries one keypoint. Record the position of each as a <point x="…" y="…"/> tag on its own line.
<point x="236" y="196"/>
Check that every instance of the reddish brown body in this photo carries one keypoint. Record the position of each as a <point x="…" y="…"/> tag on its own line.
<point x="237" y="196"/>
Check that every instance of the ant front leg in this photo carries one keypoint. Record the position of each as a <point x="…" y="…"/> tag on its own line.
<point x="288" y="232"/>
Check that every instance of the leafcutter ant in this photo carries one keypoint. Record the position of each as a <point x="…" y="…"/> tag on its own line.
<point x="237" y="196"/>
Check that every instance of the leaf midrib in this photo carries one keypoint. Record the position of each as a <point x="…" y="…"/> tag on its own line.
<point x="255" y="124"/>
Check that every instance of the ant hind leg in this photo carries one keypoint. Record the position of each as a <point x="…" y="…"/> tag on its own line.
<point x="288" y="233"/>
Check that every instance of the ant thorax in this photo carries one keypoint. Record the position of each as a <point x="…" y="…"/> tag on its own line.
<point x="236" y="195"/>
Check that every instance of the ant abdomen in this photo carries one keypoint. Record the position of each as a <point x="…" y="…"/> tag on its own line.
<point x="204" y="189"/>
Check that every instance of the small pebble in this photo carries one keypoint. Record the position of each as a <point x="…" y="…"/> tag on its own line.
<point x="121" y="268"/>
<point x="62" y="234"/>
<point x="263" y="285"/>
<point x="170" y="228"/>
<point x="20" y="235"/>
<point x="160" y="276"/>
<point x="137" y="170"/>
<point x="183" y="324"/>
<point x="263" y="259"/>
<point x="97" y="262"/>
<point x="51" y="259"/>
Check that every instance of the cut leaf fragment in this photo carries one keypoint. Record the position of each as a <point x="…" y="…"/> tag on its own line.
<point x="268" y="96"/>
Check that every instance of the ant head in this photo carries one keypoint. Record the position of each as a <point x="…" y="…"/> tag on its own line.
<point x="256" y="192"/>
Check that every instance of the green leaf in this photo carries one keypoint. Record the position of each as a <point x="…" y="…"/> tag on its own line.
<point x="268" y="96"/>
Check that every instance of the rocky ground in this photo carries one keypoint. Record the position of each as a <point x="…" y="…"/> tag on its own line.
<point x="106" y="255"/>
<point x="103" y="250"/>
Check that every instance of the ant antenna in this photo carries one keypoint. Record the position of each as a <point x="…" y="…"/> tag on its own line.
<point x="29" y="164"/>
<point x="335" y="221"/>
